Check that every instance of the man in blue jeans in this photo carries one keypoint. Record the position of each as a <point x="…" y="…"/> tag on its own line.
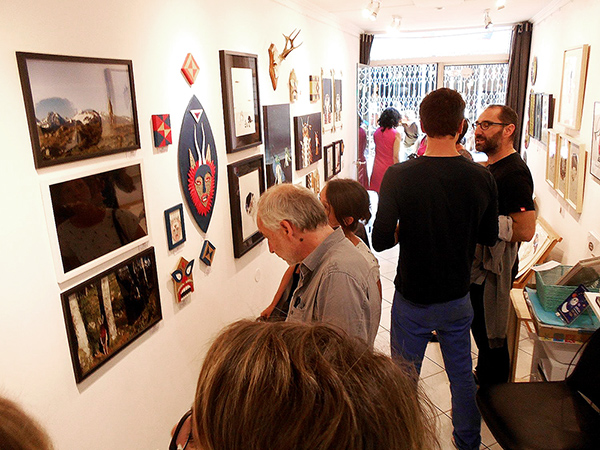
<point x="438" y="207"/>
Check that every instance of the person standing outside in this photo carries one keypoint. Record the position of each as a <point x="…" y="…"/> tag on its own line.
<point x="495" y="267"/>
<point x="438" y="207"/>
<point x="387" y="146"/>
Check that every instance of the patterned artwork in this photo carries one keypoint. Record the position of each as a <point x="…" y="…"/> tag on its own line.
<point x="207" y="254"/>
<point x="161" y="127"/>
<point x="307" y="131"/>
<point x="315" y="88"/>
<point x="198" y="166"/>
<point x="183" y="278"/>
<point x="190" y="69"/>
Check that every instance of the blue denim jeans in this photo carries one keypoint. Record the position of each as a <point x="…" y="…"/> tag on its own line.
<point x="412" y="325"/>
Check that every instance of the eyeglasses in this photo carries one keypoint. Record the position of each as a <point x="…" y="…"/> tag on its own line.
<point x="485" y="124"/>
<point x="183" y="433"/>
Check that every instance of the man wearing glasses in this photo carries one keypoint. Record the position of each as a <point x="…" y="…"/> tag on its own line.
<point x="495" y="268"/>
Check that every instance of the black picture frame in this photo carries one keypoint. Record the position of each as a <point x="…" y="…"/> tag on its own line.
<point x="308" y="140"/>
<point x="337" y="158"/>
<point x="78" y="107"/>
<point x="329" y="160"/>
<point x="241" y="100"/>
<point x="98" y="328"/>
<point x="175" y="226"/>
<point x="246" y="184"/>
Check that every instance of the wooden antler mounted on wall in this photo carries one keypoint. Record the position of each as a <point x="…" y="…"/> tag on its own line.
<point x="276" y="58"/>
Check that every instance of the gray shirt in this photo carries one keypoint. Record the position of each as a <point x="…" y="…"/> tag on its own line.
<point x="335" y="287"/>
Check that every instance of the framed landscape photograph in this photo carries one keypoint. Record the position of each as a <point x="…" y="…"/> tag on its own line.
<point x="78" y="107"/>
<point x="241" y="102"/>
<point x="576" y="174"/>
<point x="307" y="139"/>
<point x="326" y="102"/>
<point x="278" y="144"/>
<point x="572" y="89"/>
<point x="595" y="150"/>
<point x="246" y="184"/>
<point x="552" y="139"/>
<point x="562" y="161"/>
<point x="106" y="313"/>
<point x="175" y="226"/>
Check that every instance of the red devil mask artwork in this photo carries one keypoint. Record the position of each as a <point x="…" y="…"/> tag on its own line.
<point x="184" y="279"/>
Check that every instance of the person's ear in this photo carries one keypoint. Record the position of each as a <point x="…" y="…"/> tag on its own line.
<point x="509" y="130"/>
<point x="348" y="221"/>
<point x="287" y="227"/>
<point x="422" y="129"/>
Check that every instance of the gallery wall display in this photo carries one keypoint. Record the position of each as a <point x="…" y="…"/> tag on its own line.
<point x="329" y="160"/>
<point x="551" y="158"/>
<point x="198" y="164"/>
<point x="78" y="107"/>
<point x="95" y="218"/>
<point x="595" y="149"/>
<point x="572" y="88"/>
<point x="183" y="279"/>
<point x="175" y="226"/>
<point x="278" y="144"/>
<point x="108" y="312"/>
<point x="190" y="69"/>
<point x="337" y="103"/>
<point x="326" y="101"/>
<point x="241" y="102"/>
<point x="161" y="130"/>
<point x="307" y="139"/>
<point x="246" y="184"/>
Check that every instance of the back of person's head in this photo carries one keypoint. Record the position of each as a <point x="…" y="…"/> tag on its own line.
<point x="390" y="118"/>
<point x="348" y="199"/>
<point x="285" y="385"/>
<point x="465" y="128"/>
<point x="441" y="113"/>
<point x="18" y="431"/>
<point x="506" y="114"/>
<point x="297" y="204"/>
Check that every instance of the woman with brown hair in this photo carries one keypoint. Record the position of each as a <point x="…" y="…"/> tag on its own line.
<point x="18" y="431"/>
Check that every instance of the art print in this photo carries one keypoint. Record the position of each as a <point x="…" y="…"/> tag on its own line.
<point x="563" y="166"/>
<point x="175" y="226"/>
<point x="278" y="144"/>
<point x="576" y="175"/>
<point x="573" y="86"/>
<point x="327" y="103"/>
<point x="595" y="152"/>
<point x="307" y="134"/>
<point x="551" y="158"/>
<point x="337" y="104"/>
<point x="338" y="151"/>
<point x="328" y="152"/>
<point x="243" y="101"/>
<point x="249" y="185"/>
<point x="547" y="115"/>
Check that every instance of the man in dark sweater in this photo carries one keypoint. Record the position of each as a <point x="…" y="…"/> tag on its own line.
<point x="438" y="207"/>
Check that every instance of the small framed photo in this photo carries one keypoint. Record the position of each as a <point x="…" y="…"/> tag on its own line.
<point x="562" y="162"/>
<point x="175" y="226"/>
<point x="241" y="103"/>
<point x="328" y="152"/>
<point x="551" y="157"/>
<point x="106" y="313"/>
<point x="572" y="89"/>
<point x="595" y="151"/>
<point x="326" y="102"/>
<point x="576" y="174"/>
<point x="78" y="107"/>
<point x="246" y="184"/>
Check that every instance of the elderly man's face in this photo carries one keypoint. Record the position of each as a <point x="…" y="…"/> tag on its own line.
<point x="280" y="242"/>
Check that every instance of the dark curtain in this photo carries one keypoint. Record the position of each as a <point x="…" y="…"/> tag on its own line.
<point x="366" y="41"/>
<point x="518" y="70"/>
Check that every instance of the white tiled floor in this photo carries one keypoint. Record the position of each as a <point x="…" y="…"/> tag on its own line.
<point x="433" y="377"/>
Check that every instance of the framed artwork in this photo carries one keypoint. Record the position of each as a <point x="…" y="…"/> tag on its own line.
<point x="547" y="115"/>
<point x="538" y="116"/>
<point x="576" y="174"/>
<point x="207" y="254"/>
<point x="337" y="104"/>
<point x="78" y="107"/>
<point x="531" y="121"/>
<point x="161" y="130"/>
<point x="94" y="218"/>
<point x="329" y="160"/>
<point x="175" y="226"/>
<point x="315" y="88"/>
<point x="313" y="181"/>
<point x="307" y="136"/>
<point x="562" y="165"/>
<point x="338" y="151"/>
<point x="106" y="313"/>
<point x="241" y="103"/>
<point x="246" y="184"/>
<point x="551" y="157"/>
<point x="326" y="102"/>
<point x="278" y="144"/>
<point x="572" y="87"/>
<point x="595" y="152"/>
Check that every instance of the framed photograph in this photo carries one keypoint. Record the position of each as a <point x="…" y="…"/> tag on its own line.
<point x="78" y="107"/>
<point x="572" y="89"/>
<point x="576" y="174"/>
<point x="329" y="161"/>
<point x="307" y="134"/>
<point x="95" y="217"/>
<point x="551" y="158"/>
<point x="326" y="102"/>
<point x="337" y="104"/>
<point x="246" y="184"/>
<point x="562" y="162"/>
<point x="278" y="144"/>
<point x="595" y="152"/>
<point x="241" y="103"/>
<point x="108" y="312"/>
<point x="547" y="115"/>
<point x="175" y="226"/>
<point x="338" y="151"/>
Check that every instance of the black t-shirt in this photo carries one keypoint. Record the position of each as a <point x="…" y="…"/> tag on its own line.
<point x="515" y="185"/>
<point x="443" y="207"/>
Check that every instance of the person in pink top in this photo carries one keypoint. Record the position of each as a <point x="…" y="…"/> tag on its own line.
<point x="387" y="145"/>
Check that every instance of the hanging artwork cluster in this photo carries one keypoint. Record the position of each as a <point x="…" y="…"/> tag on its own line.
<point x="331" y="101"/>
<point x="541" y="115"/>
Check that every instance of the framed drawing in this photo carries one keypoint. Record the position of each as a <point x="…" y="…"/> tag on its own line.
<point x="572" y="87"/>
<point x="175" y="226"/>
<point x="547" y="115"/>
<point x="78" y="107"/>
<point x="552" y="139"/>
<point x="246" y="184"/>
<point x="329" y="161"/>
<point x="307" y="137"/>
<point x="337" y="104"/>
<point x="278" y="144"/>
<point x="595" y="152"/>
<point x="95" y="217"/>
<point x="562" y="161"/>
<point x="326" y="102"/>
<point x="338" y="151"/>
<point x="106" y="313"/>
<point x="576" y="174"/>
<point x="241" y="103"/>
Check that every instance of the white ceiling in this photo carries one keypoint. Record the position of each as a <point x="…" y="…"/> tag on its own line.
<point x="422" y="15"/>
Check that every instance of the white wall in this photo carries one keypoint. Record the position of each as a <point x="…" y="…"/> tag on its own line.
<point x="134" y="400"/>
<point x="565" y="25"/>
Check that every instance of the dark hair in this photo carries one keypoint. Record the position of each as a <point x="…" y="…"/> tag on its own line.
<point x="507" y="115"/>
<point x="441" y="112"/>
<point x="290" y="385"/>
<point x="465" y="128"/>
<point x="348" y="198"/>
<point x="390" y="118"/>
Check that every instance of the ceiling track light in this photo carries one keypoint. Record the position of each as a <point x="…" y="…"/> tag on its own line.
<point x="394" y="27"/>
<point x="487" y="20"/>
<point x="372" y="9"/>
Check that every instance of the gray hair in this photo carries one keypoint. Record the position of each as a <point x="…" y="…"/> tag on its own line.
<point x="294" y="203"/>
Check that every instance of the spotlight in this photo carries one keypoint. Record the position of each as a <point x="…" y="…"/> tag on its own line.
<point x="500" y="4"/>
<point x="394" y="27"/>
<point x="487" y="20"/>
<point x="371" y="10"/>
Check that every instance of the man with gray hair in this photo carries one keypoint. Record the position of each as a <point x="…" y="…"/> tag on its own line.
<point x="334" y="285"/>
